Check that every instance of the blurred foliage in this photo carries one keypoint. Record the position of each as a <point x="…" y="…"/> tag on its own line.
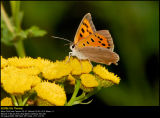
<point x="134" y="26"/>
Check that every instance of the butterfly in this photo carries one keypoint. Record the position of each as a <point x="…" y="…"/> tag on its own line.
<point x="96" y="46"/>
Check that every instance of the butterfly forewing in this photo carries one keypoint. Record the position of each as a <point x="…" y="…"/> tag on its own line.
<point x="85" y="28"/>
<point x="100" y="38"/>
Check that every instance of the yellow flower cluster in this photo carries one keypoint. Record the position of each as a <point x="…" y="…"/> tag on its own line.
<point x="19" y="75"/>
<point x="105" y="75"/>
<point x="18" y="78"/>
<point x="6" y="102"/>
<point x="56" y="70"/>
<point x="51" y="92"/>
<point x="15" y="81"/>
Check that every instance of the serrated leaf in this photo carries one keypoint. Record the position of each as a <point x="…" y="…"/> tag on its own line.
<point x="6" y="37"/>
<point x="34" y="31"/>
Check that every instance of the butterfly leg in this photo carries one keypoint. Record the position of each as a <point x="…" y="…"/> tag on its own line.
<point x="81" y="64"/>
<point x="70" y="53"/>
<point x="90" y="63"/>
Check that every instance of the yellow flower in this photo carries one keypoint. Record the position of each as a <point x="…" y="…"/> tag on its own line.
<point x="30" y="71"/>
<point x="88" y="82"/>
<point x="71" y="79"/>
<point x="6" y="102"/>
<point x="3" y="76"/>
<point x="35" y="80"/>
<point x="21" y="62"/>
<point x="104" y="74"/>
<point x="86" y="66"/>
<point x="4" y="62"/>
<point x="78" y="67"/>
<point x="56" y="70"/>
<point x="41" y="63"/>
<point x="16" y="82"/>
<point x="51" y="92"/>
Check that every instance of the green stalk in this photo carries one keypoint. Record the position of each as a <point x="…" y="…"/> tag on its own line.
<point x="15" y="8"/>
<point x="73" y="98"/>
<point x="90" y="94"/>
<point x="81" y="96"/>
<point x="14" y="100"/>
<point x="6" y="19"/>
<point x="20" y="48"/>
<point x="19" y="99"/>
<point x="25" y="100"/>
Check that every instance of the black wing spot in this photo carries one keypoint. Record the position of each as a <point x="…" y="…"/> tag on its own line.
<point x="81" y="35"/>
<point x="103" y="44"/>
<point x="92" y="40"/>
<point x="89" y="32"/>
<point x="108" y="43"/>
<point x="83" y="44"/>
<point x="108" y="47"/>
<point x="82" y="30"/>
<point x="85" y="25"/>
<point x="87" y="42"/>
<point x="99" y="41"/>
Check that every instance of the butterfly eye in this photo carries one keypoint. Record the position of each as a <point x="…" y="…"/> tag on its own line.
<point x="73" y="46"/>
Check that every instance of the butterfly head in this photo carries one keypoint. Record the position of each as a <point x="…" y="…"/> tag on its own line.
<point x="72" y="46"/>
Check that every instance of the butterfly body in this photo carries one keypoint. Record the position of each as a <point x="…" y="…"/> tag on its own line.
<point x="78" y="54"/>
<point x="96" y="46"/>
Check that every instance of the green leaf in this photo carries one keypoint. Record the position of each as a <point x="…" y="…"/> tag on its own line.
<point x="80" y="102"/>
<point x="34" y="31"/>
<point x="20" y="35"/>
<point x="6" y="35"/>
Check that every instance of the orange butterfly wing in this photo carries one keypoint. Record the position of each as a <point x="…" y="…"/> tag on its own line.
<point x="85" y="28"/>
<point x="100" y="38"/>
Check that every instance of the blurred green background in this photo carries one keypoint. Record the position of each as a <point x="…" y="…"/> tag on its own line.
<point x="134" y="26"/>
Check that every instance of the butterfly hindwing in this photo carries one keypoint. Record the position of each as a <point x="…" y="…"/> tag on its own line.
<point x="100" y="38"/>
<point x="85" y="28"/>
<point x="100" y="55"/>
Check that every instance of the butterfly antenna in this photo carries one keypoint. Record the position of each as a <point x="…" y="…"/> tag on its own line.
<point x="62" y="39"/>
<point x="67" y="44"/>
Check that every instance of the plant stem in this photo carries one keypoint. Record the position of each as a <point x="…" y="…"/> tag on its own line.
<point x="15" y="11"/>
<point x="91" y="94"/>
<point x="81" y="96"/>
<point x="15" y="8"/>
<point x="25" y="100"/>
<point x="6" y="19"/>
<point x="20" y="48"/>
<point x="77" y="86"/>
<point x="19" y="98"/>
<point x="14" y="100"/>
